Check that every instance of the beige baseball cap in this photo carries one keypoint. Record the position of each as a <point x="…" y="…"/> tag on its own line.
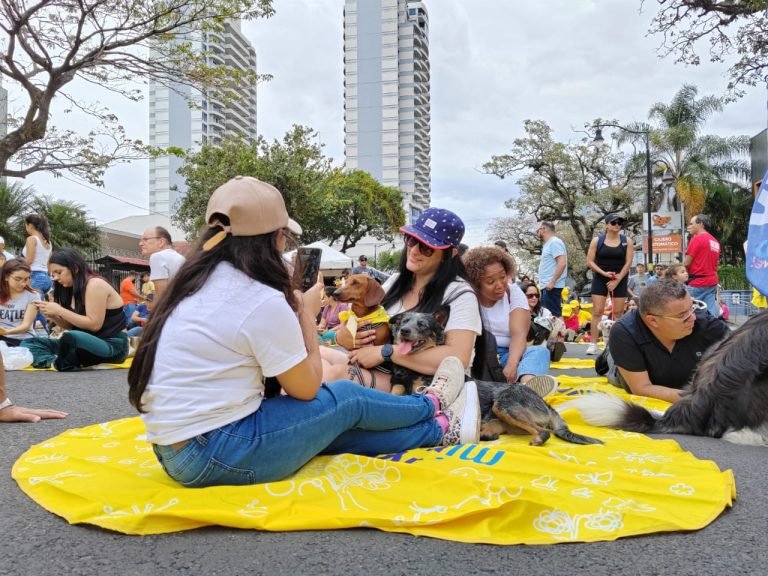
<point x="252" y="206"/>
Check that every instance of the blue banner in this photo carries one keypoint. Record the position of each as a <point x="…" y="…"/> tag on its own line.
<point x="757" y="240"/>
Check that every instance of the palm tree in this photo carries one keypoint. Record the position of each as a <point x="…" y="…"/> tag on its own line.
<point x="69" y="223"/>
<point x="14" y="204"/>
<point x="697" y="162"/>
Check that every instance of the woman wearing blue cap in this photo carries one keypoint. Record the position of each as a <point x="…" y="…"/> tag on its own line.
<point x="431" y="275"/>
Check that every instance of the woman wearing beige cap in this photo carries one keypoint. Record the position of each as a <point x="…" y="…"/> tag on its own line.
<point x="230" y="320"/>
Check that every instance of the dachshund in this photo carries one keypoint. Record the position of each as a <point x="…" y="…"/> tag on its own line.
<point x="365" y="295"/>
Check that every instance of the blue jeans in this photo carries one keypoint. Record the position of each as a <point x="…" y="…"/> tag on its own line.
<point x="552" y="300"/>
<point x="284" y="434"/>
<point x="535" y="360"/>
<point x="708" y="295"/>
<point x="41" y="282"/>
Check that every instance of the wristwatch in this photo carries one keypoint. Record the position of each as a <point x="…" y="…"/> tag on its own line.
<point x="386" y="352"/>
<point x="7" y="402"/>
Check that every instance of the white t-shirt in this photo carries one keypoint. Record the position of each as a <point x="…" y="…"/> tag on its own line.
<point x="214" y="352"/>
<point x="163" y="265"/>
<point x="497" y="316"/>
<point x="12" y="314"/>
<point x="465" y="313"/>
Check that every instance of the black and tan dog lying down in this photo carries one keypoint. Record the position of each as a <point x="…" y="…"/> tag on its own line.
<point x="504" y="408"/>
<point x="727" y="397"/>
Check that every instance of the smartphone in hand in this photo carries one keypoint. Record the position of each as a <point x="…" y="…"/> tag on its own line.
<point x="306" y="268"/>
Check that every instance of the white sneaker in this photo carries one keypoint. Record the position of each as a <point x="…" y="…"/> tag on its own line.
<point x="448" y="381"/>
<point x="593" y="350"/>
<point x="463" y="418"/>
<point x="543" y="385"/>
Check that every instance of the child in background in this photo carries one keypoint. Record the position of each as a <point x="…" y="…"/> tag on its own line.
<point x="678" y="272"/>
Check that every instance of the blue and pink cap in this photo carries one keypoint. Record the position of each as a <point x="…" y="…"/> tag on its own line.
<point x="437" y="228"/>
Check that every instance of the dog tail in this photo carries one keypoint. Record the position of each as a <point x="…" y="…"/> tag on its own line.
<point x="613" y="412"/>
<point x="564" y="433"/>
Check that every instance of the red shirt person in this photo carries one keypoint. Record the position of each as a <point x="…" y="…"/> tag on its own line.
<point x="701" y="260"/>
<point x="128" y="291"/>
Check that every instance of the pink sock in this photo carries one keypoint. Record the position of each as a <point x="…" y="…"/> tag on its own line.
<point x="435" y="401"/>
<point x="442" y="421"/>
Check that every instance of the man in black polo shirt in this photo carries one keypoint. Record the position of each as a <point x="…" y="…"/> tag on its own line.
<point x="656" y="348"/>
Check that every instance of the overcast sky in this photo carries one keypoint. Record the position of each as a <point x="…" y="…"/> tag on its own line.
<point x="494" y="64"/>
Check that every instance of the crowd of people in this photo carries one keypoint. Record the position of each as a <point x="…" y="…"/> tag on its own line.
<point x="236" y="401"/>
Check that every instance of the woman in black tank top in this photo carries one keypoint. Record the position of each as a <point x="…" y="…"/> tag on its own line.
<point x="610" y="257"/>
<point x="89" y="308"/>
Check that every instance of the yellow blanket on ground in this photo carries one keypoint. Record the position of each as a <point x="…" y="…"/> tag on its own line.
<point x="502" y="492"/>
<point x="571" y="363"/>
<point x="125" y="364"/>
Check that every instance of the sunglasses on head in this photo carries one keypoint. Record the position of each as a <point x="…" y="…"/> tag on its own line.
<point x="425" y="250"/>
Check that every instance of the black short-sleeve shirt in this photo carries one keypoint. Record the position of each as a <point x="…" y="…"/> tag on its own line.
<point x="635" y="349"/>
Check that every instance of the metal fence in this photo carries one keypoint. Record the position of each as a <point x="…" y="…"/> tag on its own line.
<point x="739" y="303"/>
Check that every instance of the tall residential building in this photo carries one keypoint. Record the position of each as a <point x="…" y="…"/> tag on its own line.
<point x="386" y="95"/>
<point x="173" y="122"/>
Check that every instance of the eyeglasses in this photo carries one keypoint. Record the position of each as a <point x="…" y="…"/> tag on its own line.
<point x="616" y="222"/>
<point x="149" y="238"/>
<point x="531" y="296"/>
<point x="683" y="318"/>
<point x="425" y="250"/>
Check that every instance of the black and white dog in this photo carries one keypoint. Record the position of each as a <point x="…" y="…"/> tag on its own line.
<point x="727" y="398"/>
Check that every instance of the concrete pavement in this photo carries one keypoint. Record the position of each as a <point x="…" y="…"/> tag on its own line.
<point x="35" y="541"/>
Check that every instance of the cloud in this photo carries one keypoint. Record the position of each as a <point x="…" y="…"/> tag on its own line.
<point x="494" y="63"/>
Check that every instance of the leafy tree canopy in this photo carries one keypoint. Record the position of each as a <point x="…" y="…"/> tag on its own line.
<point x="328" y="203"/>
<point x="728" y="29"/>
<point x="109" y="43"/>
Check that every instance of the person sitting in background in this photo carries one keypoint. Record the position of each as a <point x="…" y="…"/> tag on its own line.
<point x="129" y="294"/>
<point x="17" y="303"/>
<point x="631" y="304"/>
<point x="571" y="321"/>
<point x="506" y="313"/>
<point x="139" y="318"/>
<point x="89" y="308"/>
<point x="329" y="317"/>
<point x="7" y="255"/>
<point x="147" y="286"/>
<point x="9" y="412"/>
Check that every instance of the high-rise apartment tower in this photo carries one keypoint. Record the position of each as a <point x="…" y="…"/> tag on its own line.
<point x="386" y="95"/>
<point x="173" y="122"/>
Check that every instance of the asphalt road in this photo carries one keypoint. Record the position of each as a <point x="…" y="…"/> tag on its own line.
<point x="34" y="541"/>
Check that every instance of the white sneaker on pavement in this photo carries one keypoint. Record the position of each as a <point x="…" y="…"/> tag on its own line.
<point x="593" y="350"/>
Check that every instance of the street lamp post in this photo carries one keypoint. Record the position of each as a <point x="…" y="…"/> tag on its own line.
<point x="648" y="178"/>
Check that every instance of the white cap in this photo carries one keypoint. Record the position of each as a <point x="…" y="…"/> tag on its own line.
<point x="2" y="240"/>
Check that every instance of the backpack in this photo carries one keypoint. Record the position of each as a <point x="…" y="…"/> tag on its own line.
<point x="601" y="241"/>
<point x="486" y="365"/>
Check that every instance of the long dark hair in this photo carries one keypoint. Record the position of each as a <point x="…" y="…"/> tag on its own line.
<point x="537" y="308"/>
<point x="430" y="301"/>
<point x="257" y="257"/>
<point x="81" y="273"/>
<point x="40" y="222"/>
<point x="9" y="268"/>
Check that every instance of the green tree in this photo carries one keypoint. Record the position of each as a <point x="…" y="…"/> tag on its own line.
<point x="725" y="27"/>
<point x="356" y="205"/>
<point x="328" y="203"/>
<point x="14" y="203"/>
<point x="697" y="161"/>
<point x="69" y="223"/>
<point x="388" y="261"/>
<point x="112" y="44"/>
<point x="729" y="205"/>
<point x="296" y="166"/>
<point x="574" y="185"/>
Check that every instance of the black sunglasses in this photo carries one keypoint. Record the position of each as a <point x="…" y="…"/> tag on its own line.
<point x="616" y="222"/>
<point x="425" y="250"/>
